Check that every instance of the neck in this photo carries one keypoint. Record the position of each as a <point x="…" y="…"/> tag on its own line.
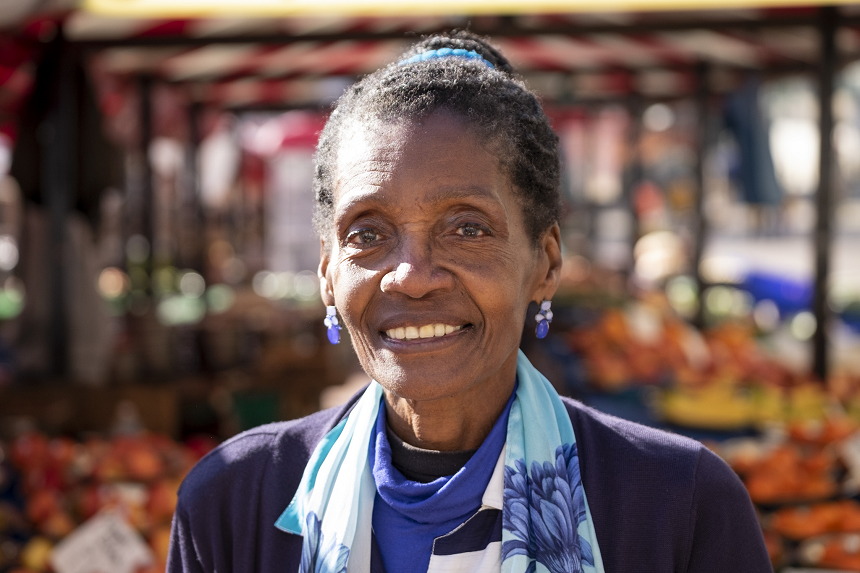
<point x="450" y="423"/>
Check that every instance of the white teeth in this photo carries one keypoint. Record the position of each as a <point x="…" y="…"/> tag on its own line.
<point x="425" y="331"/>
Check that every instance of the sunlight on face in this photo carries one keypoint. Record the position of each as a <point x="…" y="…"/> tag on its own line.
<point x="429" y="261"/>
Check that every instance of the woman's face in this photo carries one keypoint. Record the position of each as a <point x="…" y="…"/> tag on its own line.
<point x="429" y="262"/>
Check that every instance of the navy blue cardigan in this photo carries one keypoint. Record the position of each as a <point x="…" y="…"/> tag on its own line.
<point x="660" y="502"/>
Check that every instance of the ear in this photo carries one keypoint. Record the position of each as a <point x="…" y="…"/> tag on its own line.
<point x="326" y="290"/>
<point x="550" y="264"/>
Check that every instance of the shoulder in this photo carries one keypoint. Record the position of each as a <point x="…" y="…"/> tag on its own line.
<point x="615" y="444"/>
<point x="281" y="447"/>
<point x="648" y="488"/>
<point x="607" y="439"/>
<point x="230" y="500"/>
<point x="649" y="453"/>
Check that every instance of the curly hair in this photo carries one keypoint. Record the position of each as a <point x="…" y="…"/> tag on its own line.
<point x="493" y="101"/>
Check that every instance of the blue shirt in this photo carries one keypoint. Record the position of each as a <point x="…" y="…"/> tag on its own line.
<point x="408" y="516"/>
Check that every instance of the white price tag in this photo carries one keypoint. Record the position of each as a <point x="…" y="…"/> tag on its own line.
<point x="104" y="544"/>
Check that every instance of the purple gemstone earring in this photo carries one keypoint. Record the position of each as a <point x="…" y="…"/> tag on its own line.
<point x="332" y="325"/>
<point x="543" y="318"/>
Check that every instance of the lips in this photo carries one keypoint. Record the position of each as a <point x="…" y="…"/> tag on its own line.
<point x="433" y="330"/>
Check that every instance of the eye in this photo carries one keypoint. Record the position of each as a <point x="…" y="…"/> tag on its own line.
<point x="471" y="230"/>
<point x="362" y="237"/>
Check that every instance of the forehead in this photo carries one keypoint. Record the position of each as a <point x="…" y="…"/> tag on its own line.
<point x="441" y="151"/>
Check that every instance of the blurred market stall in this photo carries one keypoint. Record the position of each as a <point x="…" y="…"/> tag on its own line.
<point x="182" y="178"/>
<point x="158" y="261"/>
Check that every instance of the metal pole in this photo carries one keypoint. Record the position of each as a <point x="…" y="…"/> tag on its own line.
<point x="194" y="208"/>
<point x="700" y="224"/>
<point x="146" y="203"/>
<point x="633" y="175"/>
<point x="823" y="234"/>
<point x="59" y="137"/>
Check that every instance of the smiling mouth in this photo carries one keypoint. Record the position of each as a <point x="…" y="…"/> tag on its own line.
<point x="425" y="331"/>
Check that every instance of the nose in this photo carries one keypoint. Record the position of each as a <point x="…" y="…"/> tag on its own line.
<point x="415" y="270"/>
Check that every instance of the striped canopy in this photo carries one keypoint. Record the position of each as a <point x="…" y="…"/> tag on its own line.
<point x="292" y="8"/>
<point x="227" y="61"/>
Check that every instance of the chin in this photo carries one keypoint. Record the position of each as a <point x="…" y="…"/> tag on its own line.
<point x="431" y="382"/>
<point x="422" y="391"/>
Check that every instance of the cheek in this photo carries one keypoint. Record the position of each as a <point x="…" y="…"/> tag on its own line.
<point x="353" y="289"/>
<point x="501" y="287"/>
<point x="508" y="304"/>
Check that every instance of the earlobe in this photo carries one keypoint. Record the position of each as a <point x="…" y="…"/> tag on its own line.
<point x="326" y="290"/>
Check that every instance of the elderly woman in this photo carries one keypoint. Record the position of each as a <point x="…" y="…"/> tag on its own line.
<point x="437" y="187"/>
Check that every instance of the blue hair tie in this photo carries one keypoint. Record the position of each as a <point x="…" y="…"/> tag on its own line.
<point x="446" y="53"/>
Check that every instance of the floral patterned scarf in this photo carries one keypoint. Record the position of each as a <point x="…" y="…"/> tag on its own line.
<point x="547" y="527"/>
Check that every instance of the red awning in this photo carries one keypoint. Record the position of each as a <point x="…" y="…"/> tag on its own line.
<point x="233" y="62"/>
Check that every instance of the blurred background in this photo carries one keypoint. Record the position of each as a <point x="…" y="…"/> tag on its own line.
<point x="158" y="289"/>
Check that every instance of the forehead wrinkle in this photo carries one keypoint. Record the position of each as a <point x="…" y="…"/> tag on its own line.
<point x="373" y="176"/>
<point x="447" y="193"/>
<point x="364" y="145"/>
<point x="368" y="195"/>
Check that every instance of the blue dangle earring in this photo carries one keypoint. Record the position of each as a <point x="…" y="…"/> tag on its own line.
<point x="543" y="318"/>
<point x="332" y="325"/>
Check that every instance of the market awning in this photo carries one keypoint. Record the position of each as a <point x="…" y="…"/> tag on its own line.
<point x="240" y="62"/>
<point x="282" y="8"/>
<point x="565" y="51"/>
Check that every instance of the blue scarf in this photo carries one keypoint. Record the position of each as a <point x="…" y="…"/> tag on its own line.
<point x="547" y="526"/>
